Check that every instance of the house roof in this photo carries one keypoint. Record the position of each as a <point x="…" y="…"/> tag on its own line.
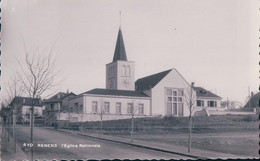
<point x="26" y="101"/>
<point x="201" y="92"/>
<point x="151" y="80"/>
<point x="113" y="92"/>
<point x="58" y="97"/>
<point x="120" y="53"/>
<point x="254" y="101"/>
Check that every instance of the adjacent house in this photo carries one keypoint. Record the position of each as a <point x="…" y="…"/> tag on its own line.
<point x="22" y="105"/>
<point x="207" y="102"/>
<point x="59" y="103"/>
<point x="253" y="103"/>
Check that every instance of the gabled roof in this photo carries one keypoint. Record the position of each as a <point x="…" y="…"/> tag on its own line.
<point x="151" y="80"/>
<point x="113" y="92"/>
<point x="26" y="101"/>
<point x="58" y="97"/>
<point x="254" y="101"/>
<point x="201" y="92"/>
<point x="120" y="53"/>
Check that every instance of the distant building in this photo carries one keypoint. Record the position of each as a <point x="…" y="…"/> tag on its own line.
<point x="22" y="106"/>
<point x="59" y="103"/>
<point x="253" y="102"/>
<point x="207" y="101"/>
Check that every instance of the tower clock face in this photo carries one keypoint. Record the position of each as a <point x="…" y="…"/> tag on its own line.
<point x="126" y="82"/>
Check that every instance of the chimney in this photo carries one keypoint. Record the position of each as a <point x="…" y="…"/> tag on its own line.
<point x="67" y="90"/>
<point x="252" y="94"/>
<point x="192" y="84"/>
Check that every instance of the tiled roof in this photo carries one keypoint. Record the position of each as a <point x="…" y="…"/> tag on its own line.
<point x="98" y="91"/>
<point x="201" y="92"/>
<point x="120" y="53"/>
<point x="254" y="101"/>
<point x="26" y="101"/>
<point x="58" y="97"/>
<point x="150" y="81"/>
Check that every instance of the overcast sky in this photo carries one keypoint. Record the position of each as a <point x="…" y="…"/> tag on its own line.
<point x="211" y="42"/>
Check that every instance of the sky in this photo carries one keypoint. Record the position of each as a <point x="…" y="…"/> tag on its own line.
<point x="213" y="43"/>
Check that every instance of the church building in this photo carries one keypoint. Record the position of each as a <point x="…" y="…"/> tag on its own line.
<point x="160" y="94"/>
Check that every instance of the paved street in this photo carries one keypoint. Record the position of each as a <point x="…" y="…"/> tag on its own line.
<point x="103" y="150"/>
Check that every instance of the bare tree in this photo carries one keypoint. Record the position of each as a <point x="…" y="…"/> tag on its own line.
<point x="37" y="76"/>
<point x="190" y="98"/>
<point x="13" y="89"/>
<point x="133" y="111"/>
<point x="81" y="116"/>
<point x="101" y="113"/>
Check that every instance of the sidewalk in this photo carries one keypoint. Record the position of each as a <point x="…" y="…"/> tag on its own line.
<point x="196" y="153"/>
<point x="7" y="153"/>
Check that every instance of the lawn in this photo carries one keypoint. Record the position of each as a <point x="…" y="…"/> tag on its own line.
<point x="240" y="143"/>
<point x="234" y="134"/>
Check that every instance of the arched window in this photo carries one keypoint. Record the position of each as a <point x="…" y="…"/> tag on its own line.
<point x="128" y="71"/>
<point x="124" y="70"/>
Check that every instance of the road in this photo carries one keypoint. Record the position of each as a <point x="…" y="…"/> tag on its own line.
<point x="104" y="149"/>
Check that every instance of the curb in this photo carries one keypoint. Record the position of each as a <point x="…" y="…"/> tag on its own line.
<point x="137" y="145"/>
<point x="146" y="147"/>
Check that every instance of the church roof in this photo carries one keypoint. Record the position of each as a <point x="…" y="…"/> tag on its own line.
<point x="120" y="53"/>
<point x="201" y="92"/>
<point x="99" y="91"/>
<point x="151" y="80"/>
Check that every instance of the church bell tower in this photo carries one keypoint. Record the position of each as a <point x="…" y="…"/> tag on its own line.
<point x="120" y="72"/>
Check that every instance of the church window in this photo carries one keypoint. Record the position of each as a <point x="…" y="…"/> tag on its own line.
<point x="174" y="109"/>
<point x="169" y="108"/>
<point x="128" y="71"/>
<point x="124" y="70"/>
<point x="106" y="107"/>
<point x="94" y="107"/>
<point x="130" y="108"/>
<point x="113" y="70"/>
<point x="169" y="98"/>
<point x="169" y="92"/>
<point x="174" y="102"/>
<point x="118" y="108"/>
<point x="141" y="108"/>
<point x="180" y="109"/>
<point x="180" y="92"/>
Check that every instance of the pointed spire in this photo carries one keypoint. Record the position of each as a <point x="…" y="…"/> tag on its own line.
<point x="120" y="53"/>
